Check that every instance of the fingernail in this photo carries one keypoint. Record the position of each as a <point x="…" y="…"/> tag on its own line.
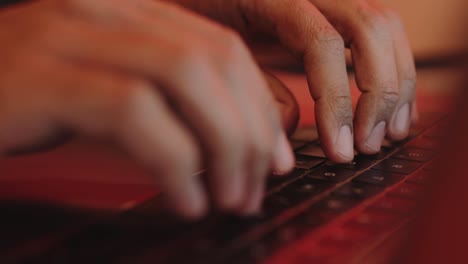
<point x="374" y="141"/>
<point x="254" y="206"/>
<point x="232" y="193"/>
<point x="283" y="156"/>
<point x="402" y="120"/>
<point x="195" y="205"/>
<point x="344" y="143"/>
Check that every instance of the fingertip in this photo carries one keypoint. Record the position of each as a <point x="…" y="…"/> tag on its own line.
<point x="190" y="202"/>
<point x="344" y="145"/>
<point x="400" y="123"/>
<point x="254" y="205"/>
<point x="193" y="210"/>
<point x="230" y="195"/>
<point x="283" y="160"/>
<point x="373" y="143"/>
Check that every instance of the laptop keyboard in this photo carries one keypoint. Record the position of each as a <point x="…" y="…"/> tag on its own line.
<point x="332" y="209"/>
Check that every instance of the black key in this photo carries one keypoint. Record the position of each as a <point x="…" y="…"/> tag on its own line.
<point x="276" y="203"/>
<point x="408" y="191"/>
<point x="398" y="166"/>
<point x="230" y="227"/>
<point x="307" y="162"/>
<point x="312" y="150"/>
<point x="414" y="154"/>
<point x="294" y="194"/>
<point x="420" y="178"/>
<point x="332" y="174"/>
<point x="358" y="190"/>
<point x="377" y="177"/>
<point x="295" y="144"/>
<point x="322" y="212"/>
<point x="384" y="151"/>
<point x="275" y="181"/>
<point x="305" y="188"/>
<point x="359" y="163"/>
<point x="333" y="206"/>
<point x="393" y="204"/>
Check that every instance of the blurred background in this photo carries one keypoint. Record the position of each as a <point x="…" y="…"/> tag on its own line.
<point x="434" y="27"/>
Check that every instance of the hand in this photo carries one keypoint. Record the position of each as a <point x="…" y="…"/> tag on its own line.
<point x="176" y="91"/>
<point x="317" y="32"/>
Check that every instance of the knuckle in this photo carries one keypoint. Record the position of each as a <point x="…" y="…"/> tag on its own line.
<point x="234" y="47"/>
<point x="189" y="58"/>
<point x="342" y="105"/>
<point x="390" y="99"/>
<point x="183" y="159"/>
<point x="328" y="37"/>
<point x="122" y="95"/>
<point x="261" y="148"/>
<point x="374" y="23"/>
<point x="393" y="18"/>
<point x="228" y="140"/>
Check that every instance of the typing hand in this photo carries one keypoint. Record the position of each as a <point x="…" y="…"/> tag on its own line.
<point x="317" y="33"/>
<point x="175" y="90"/>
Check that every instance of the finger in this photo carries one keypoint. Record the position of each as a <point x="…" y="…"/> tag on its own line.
<point x="130" y="111"/>
<point x="406" y="109"/>
<point x="306" y="32"/>
<point x="253" y="100"/>
<point x="370" y="39"/>
<point x="286" y="102"/>
<point x="189" y="81"/>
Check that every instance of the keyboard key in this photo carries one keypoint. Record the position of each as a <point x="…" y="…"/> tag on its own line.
<point x="383" y="153"/>
<point x="420" y="178"/>
<point x="297" y="144"/>
<point x="307" y="162"/>
<point x="275" y="181"/>
<point x="372" y="221"/>
<point x="275" y="204"/>
<point x="393" y="205"/>
<point x="305" y="188"/>
<point x="309" y="220"/>
<point x="333" y="174"/>
<point x="312" y="150"/>
<point x="357" y="190"/>
<point x="398" y="166"/>
<point x="414" y="154"/>
<point x="408" y="191"/>
<point x="359" y="163"/>
<point x="307" y="134"/>
<point x="228" y="228"/>
<point x="378" y="178"/>
<point x="324" y="211"/>
<point x="335" y="204"/>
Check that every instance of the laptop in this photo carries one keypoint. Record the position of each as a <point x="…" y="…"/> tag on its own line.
<point x="373" y="210"/>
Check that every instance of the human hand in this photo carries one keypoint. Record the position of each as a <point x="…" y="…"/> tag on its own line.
<point x="175" y="90"/>
<point x="317" y="33"/>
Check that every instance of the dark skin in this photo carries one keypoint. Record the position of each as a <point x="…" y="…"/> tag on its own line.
<point x="177" y="89"/>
